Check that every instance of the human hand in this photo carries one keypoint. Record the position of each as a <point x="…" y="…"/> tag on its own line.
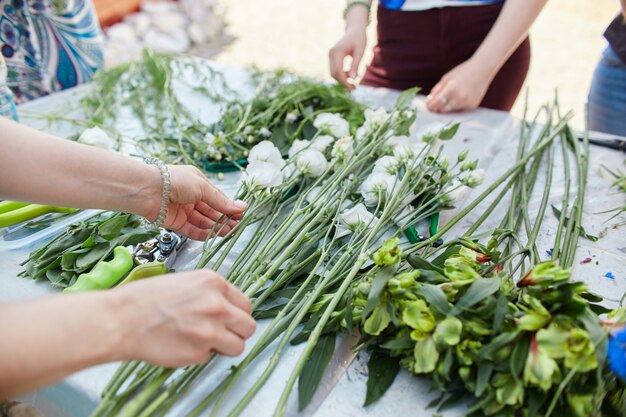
<point x="181" y="319"/>
<point x="352" y="44"/>
<point x="196" y="205"/>
<point x="462" y="88"/>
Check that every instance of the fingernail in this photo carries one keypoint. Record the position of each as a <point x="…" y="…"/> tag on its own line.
<point x="241" y="204"/>
<point x="429" y="97"/>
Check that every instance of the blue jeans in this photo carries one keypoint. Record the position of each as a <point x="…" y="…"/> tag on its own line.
<point x="607" y="95"/>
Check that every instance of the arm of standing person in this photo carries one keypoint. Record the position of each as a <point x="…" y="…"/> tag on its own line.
<point x="171" y="321"/>
<point x="464" y="87"/>
<point x="623" y="4"/>
<point x="38" y="167"/>
<point x="352" y="44"/>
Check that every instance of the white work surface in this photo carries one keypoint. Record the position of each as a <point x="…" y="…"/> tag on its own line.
<point x="490" y="136"/>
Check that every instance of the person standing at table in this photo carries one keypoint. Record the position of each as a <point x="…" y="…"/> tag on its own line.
<point x="49" y="45"/>
<point x="607" y="95"/>
<point x="462" y="53"/>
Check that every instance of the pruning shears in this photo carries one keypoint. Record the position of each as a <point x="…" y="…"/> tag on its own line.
<point x="153" y="257"/>
<point x="13" y="212"/>
<point x="433" y="225"/>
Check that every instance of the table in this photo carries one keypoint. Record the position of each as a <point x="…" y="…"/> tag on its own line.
<point x="490" y="136"/>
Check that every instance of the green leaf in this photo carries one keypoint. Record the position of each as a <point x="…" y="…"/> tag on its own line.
<point x="400" y="341"/>
<point x="449" y="132"/>
<point x="426" y="356"/>
<point x="502" y="307"/>
<point x="383" y="275"/>
<point x="377" y="321"/>
<point x="419" y="262"/>
<point x="440" y="260"/>
<point x="405" y="98"/>
<point x="581" y="229"/>
<point x="111" y="227"/>
<point x="95" y="255"/>
<point x="382" y="372"/>
<point x="496" y="344"/>
<point x="314" y="369"/>
<point x="519" y="355"/>
<point x="448" y="331"/>
<point x="480" y="289"/>
<point x="483" y="375"/>
<point x="435" y="297"/>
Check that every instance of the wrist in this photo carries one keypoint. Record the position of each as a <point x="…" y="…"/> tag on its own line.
<point x="486" y="66"/>
<point x="357" y="17"/>
<point x="125" y="320"/>
<point x="149" y="186"/>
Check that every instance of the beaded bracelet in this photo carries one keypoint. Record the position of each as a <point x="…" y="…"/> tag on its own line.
<point x="358" y="3"/>
<point x="165" y="195"/>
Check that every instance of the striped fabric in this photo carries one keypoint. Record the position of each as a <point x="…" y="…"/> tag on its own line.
<point x="431" y="4"/>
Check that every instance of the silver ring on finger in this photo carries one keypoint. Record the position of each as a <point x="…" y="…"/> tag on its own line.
<point x="444" y="100"/>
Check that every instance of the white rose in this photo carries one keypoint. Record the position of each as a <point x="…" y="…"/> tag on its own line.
<point x="297" y="146"/>
<point x="322" y="142"/>
<point x="355" y="219"/>
<point x="261" y="174"/>
<point x="343" y="149"/>
<point x="377" y="185"/>
<point x="455" y="196"/>
<point x="96" y="137"/>
<point x="387" y="164"/>
<point x="265" y="151"/>
<point x="311" y="162"/>
<point x="375" y="118"/>
<point x="332" y="123"/>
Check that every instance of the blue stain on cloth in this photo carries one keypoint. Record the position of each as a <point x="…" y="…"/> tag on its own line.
<point x="609" y="275"/>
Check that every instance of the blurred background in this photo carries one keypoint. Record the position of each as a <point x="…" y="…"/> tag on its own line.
<point x="566" y="39"/>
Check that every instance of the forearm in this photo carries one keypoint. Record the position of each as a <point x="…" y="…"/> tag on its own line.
<point x="509" y="30"/>
<point x="47" y="338"/>
<point x="623" y="4"/>
<point x="37" y="167"/>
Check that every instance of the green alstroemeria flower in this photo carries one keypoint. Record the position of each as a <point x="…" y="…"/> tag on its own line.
<point x="461" y="274"/>
<point x="509" y="390"/>
<point x="448" y="331"/>
<point x="388" y="254"/>
<point x="426" y="356"/>
<point x="418" y="317"/>
<point x="545" y="273"/>
<point x="378" y="320"/>
<point x="538" y="316"/>
<point x="580" y="352"/>
<point x="408" y="280"/>
<point x="540" y="370"/>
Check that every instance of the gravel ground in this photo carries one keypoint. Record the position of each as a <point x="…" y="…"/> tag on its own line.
<point x="567" y="41"/>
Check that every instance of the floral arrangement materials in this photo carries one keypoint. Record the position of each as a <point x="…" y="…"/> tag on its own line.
<point x="307" y="252"/>
<point x="83" y="245"/>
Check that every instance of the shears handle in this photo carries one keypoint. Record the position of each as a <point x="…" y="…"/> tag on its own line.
<point x="147" y="270"/>
<point x="22" y="212"/>
<point x="6" y="206"/>
<point x="105" y="274"/>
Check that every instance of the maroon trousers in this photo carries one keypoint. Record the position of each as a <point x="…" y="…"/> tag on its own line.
<point x="416" y="48"/>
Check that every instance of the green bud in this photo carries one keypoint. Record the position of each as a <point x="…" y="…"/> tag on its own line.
<point x="463" y="155"/>
<point x="364" y="287"/>
<point x="532" y="322"/>
<point x="544" y="274"/>
<point x="417" y="315"/>
<point x="580" y="405"/>
<point x="388" y="254"/>
<point x="465" y="373"/>
<point x="510" y="391"/>
<point x="580" y="352"/>
<point x="466" y="350"/>
<point x="408" y="280"/>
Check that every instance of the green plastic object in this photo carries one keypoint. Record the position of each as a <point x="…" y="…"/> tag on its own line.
<point x="105" y="274"/>
<point x="148" y="270"/>
<point x="27" y="212"/>
<point x="6" y="206"/>
<point x="224" y="166"/>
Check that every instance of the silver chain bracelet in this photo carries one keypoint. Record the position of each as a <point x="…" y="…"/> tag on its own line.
<point x="165" y="195"/>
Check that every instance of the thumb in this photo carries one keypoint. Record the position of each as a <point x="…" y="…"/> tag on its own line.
<point x="218" y="200"/>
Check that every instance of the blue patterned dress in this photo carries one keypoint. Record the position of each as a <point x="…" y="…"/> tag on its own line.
<point x="49" y="45"/>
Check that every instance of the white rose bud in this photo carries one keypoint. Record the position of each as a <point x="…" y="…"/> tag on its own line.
<point x="343" y="149"/>
<point x="354" y="219"/>
<point x="262" y="175"/>
<point x="387" y="164"/>
<point x="322" y="142"/>
<point x="333" y="124"/>
<point x="311" y="162"/>
<point x="298" y="146"/>
<point x="474" y="178"/>
<point x="377" y="185"/>
<point x="96" y="137"/>
<point x="265" y="151"/>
